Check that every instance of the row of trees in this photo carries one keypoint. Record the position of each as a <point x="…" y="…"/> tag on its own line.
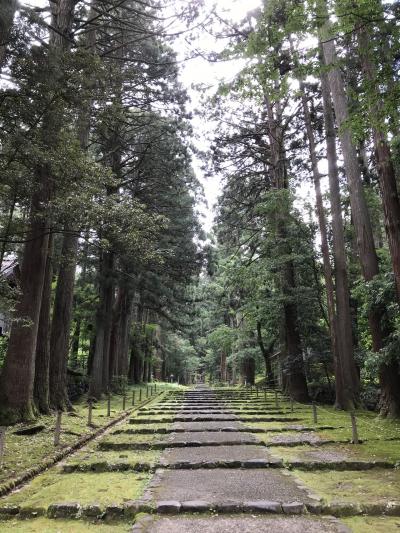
<point x="314" y="280"/>
<point x="97" y="200"/>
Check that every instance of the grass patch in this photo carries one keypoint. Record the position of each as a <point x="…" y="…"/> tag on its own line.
<point x="128" y="456"/>
<point x="74" y="426"/>
<point x="86" y="488"/>
<point x="370" y="486"/>
<point x="367" y="524"/>
<point x="44" y="525"/>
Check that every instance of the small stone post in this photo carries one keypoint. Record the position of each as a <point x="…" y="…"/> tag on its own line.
<point x="133" y="398"/>
<point x="140" y="395"/>
<point x="276" y="400"/>
<point x="155" y="387"/>
<point x="57" y="430"/>
<point x="355" y="439"/>
<point x="2" y="443"/>
<point x="147" y="391"/>
<point x="108" y="403"/>
<point x="314" y="410"/>
<point x="90" y="408"/>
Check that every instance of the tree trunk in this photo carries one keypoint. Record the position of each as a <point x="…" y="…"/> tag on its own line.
<point x="75" y="343"/>
<point x="295" y="379"/>
<point x="99" y="376"/>
<point x="345" y="393"/>
<point x="42" y="362"/>
<point x="61" y="323"/>
<point x="389" y="373"/>
<point x="17" y="378"/>
<point x="359" y="210"/>
<point x="266" y="353"/>
<point x="223" y="368"/>
<point x="248" y="370"/>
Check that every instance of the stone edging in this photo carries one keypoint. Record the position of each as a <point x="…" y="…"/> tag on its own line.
<point x="171" y="507"/>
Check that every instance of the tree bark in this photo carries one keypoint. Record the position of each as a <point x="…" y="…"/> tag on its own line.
<point x="346" y="396"/>
<point x="359" y="210"/>
<point x="99" y="376"/>
<point x="295" y="380"/>
<point x="266" y="353"/>
<point x="17" y="378"/>
<point x="61" y="323"/>
<point x="389" y="373"/>
<point x="42" y="362"/>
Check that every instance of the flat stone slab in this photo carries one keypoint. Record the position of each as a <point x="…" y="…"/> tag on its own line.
<point x="298" y="438"/>
<point x="204" y="426"/>
<point x="224" y="485"/>
<point x="212" y="436"/>
<point x="244" y="524"/>
<point x="215" y="453"/>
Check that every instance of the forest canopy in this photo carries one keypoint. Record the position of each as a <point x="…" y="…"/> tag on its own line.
<point x="107" y="275"/>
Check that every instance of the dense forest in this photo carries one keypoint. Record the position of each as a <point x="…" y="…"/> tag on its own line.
<point x="107" y="274"/>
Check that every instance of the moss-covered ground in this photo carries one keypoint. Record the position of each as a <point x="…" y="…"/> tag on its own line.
<point x="44" y="525"/>
<point x="84" y="488"/>
<point x="16" y="460"/>
<point x="371" y="486"/>
<point x="372" y="524"/>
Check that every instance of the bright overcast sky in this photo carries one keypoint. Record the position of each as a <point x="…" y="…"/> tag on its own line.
<point x="200" y="71"/>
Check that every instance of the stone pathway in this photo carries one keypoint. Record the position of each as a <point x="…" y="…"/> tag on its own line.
<point x="219" y="467"/>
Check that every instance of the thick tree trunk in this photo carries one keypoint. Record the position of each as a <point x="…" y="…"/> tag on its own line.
<point x="17" y="378"/>
<point x="389" y="373"/>
<point x="42" y="362"/>
<point x="99" y="375"/>
<point x="345" y="393"/>
<point x="386" y="171"/>
<point x="295" y="379"/>
<point x="61" y="323"/>
<point x="359" y="210"/>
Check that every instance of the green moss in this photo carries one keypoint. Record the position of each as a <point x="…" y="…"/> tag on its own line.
<point x="369" y="486"/>
<point x="367" y="524"/>
<point x="86" y="488"/>
<point x="74" y="426"/>
<point x="43" y="525"/>
<point x="129" y="456"/>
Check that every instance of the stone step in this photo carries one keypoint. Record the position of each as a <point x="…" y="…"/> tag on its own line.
<point x="131" y="509"/>
<point x="204" y="427"/>
<point x="162" y="445"/>
<point x="212" y="418"/>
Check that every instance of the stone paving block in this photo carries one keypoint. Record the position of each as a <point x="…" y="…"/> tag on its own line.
<point x="195" y="506"/>
<point x="263" y="506"/>
<point x="293" y="508"/>
<point x="63" y="510"/>
<point x="168" y="507"/>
